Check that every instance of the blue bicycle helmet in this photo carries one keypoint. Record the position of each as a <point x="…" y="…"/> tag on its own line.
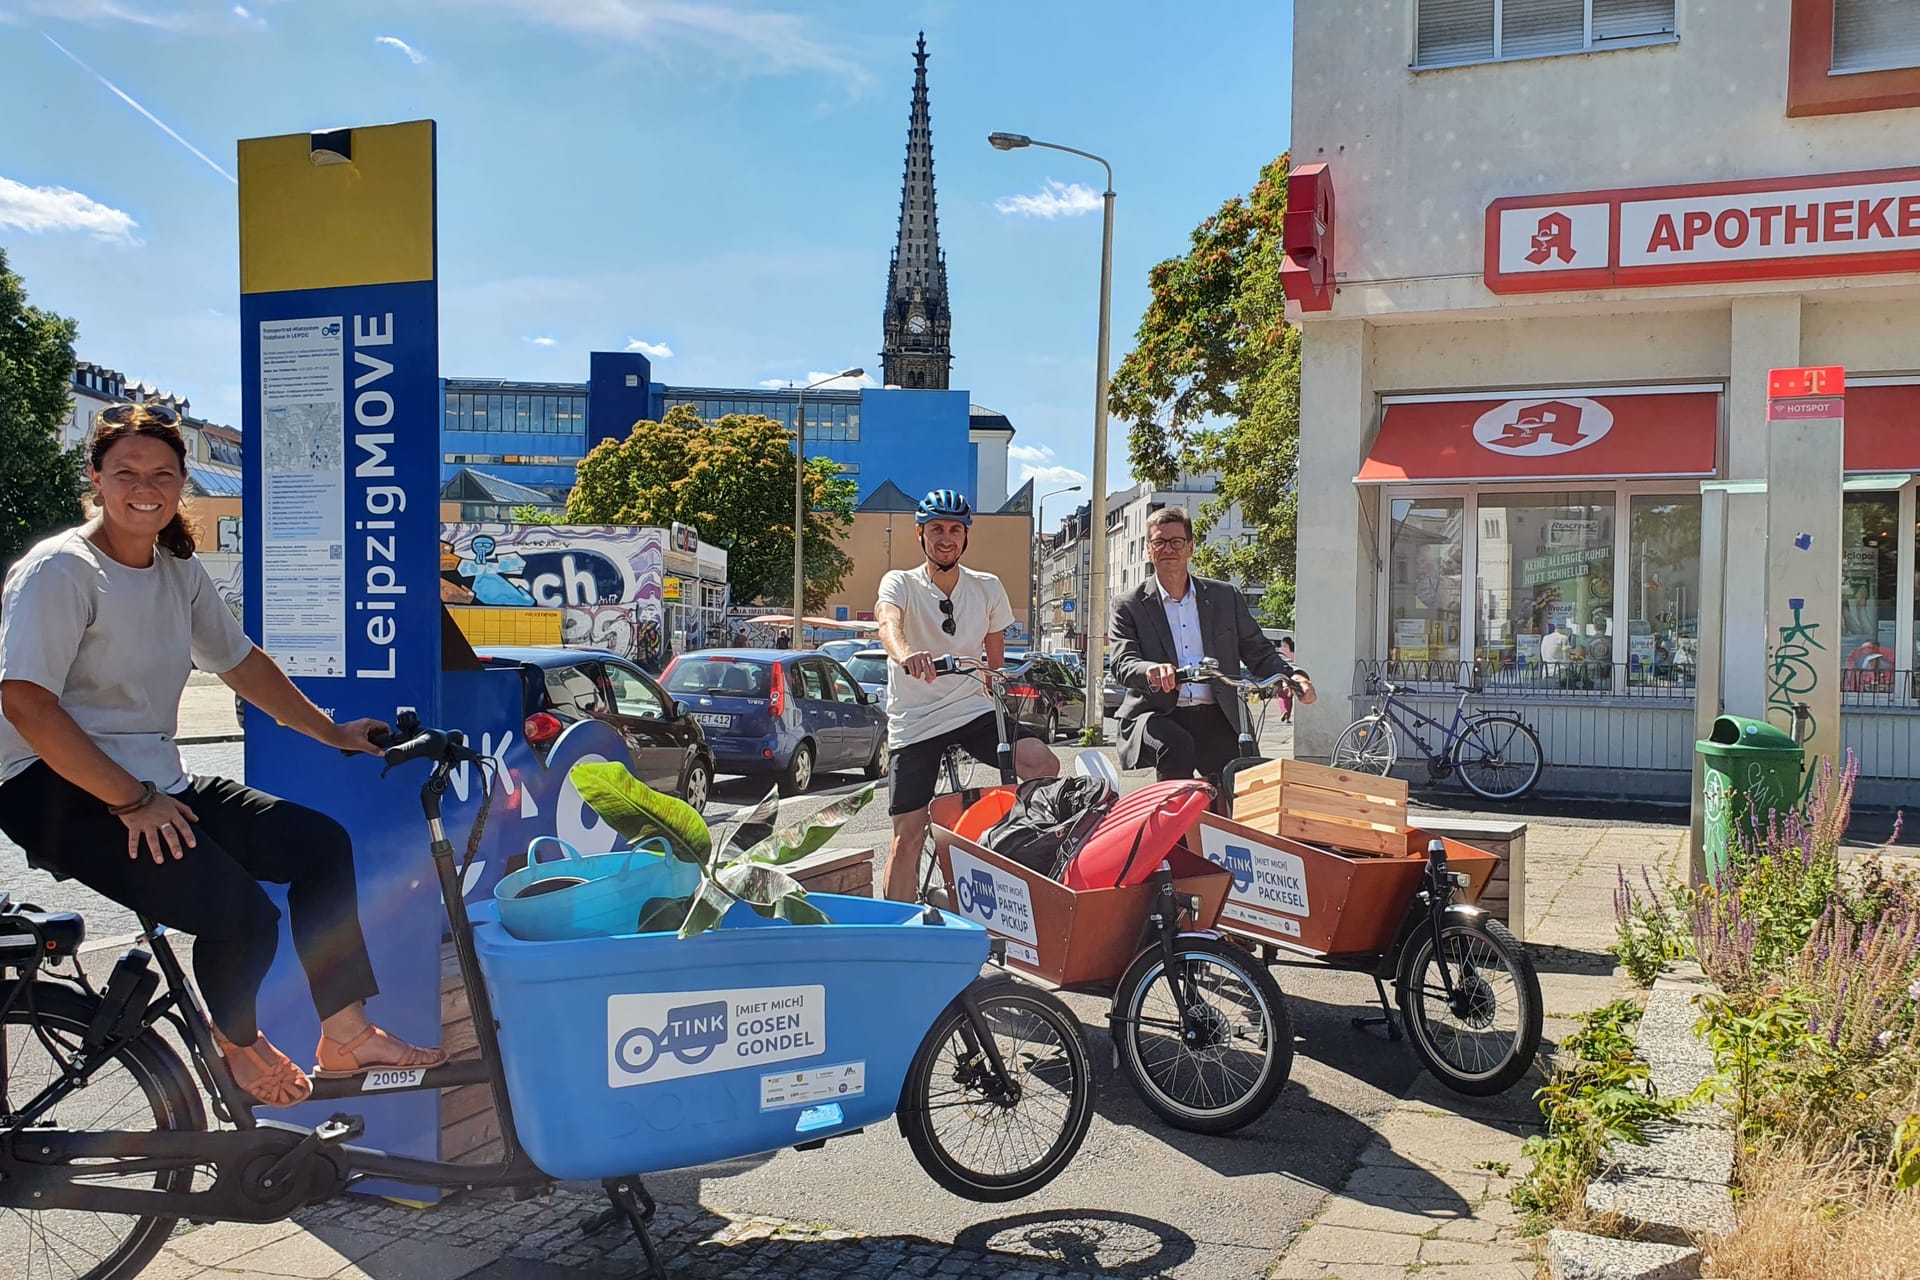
<point x="944" y="504"/>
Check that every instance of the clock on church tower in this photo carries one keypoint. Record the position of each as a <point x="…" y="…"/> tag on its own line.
<point x="917" y="326"/>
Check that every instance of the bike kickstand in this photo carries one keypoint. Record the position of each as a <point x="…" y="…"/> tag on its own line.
<point x="628" y="1199"/>
<point x="1385" y="1017"/>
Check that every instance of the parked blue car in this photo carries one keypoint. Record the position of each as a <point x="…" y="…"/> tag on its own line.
<point x="780" y="713"/>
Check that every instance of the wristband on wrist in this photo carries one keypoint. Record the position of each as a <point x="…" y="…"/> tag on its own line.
<point x="147" y="793"/>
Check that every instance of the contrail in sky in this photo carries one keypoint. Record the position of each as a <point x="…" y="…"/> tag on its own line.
<point x="158" y="122"/>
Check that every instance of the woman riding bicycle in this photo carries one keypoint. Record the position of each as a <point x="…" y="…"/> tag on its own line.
<point x="99" y="627"/>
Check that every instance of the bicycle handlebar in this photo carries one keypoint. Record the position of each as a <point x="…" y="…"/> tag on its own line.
<point x="1210" y="670"/>
<point x="954" y="665"/>
<point x="442" y="746"/>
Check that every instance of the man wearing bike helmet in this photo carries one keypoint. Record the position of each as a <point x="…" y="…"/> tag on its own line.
<point x="937" y="610"/>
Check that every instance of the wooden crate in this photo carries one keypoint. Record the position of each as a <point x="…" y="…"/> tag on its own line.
<point x="1338" y="808"/>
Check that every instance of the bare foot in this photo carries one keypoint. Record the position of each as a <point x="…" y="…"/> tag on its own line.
<point x="264" y="1073"/>
<point x="371" y="1050"/>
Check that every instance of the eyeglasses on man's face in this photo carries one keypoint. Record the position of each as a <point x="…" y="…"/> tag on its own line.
<point x="1168" y="544"/>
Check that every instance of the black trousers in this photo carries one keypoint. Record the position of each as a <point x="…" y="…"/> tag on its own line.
<point x="213" y="892"/>
<point x="1188" y="740"/>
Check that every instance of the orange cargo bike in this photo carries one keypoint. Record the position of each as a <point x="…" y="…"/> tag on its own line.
<point x="1326" y="869"/>
<point x="1199" y="1025"/>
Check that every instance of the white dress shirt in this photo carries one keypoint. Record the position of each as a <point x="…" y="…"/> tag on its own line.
<point x="1183" y="619"/>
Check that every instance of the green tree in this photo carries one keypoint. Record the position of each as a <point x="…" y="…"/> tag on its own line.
<point x="527" y="513"/>
<point x="1213" y="382"/>
<point x="733" y="481"/>
<point x="39" y="481"/>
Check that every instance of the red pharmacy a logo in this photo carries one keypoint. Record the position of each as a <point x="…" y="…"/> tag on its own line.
<point x="1553" y="238"/>
<point x="1536" y="428"/>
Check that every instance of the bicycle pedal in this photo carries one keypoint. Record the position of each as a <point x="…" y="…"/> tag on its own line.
<point x="330" y="1133"/>
<point x="339" y="1128"/>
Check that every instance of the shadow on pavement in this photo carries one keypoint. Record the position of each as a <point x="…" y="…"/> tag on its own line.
<point x="1571" y="960"/>
<point x="1089" y="1240"/>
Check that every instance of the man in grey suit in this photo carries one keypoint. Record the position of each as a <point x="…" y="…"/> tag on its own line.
<point x="1171" y="621"/>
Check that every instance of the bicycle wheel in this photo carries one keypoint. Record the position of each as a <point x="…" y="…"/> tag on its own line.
<point x="1483" y="1040"/>
<point x="973" y="1137"/>
<point x="955" y="773"/>
<point x="1221" y="1065"/>
<point x="1498" y="757"/>
<point x="1368" y="745"/>
<point x="143" y="1088"/>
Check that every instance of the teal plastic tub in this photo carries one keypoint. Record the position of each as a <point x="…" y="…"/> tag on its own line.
<point x="645" y="1052"/>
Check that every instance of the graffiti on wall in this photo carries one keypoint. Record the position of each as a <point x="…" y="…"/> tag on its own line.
<point x="605" y="580"/>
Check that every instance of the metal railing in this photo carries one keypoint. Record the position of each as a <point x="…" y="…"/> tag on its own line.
<point x="1880" y="687"/>
<point x="1543" y="679"/>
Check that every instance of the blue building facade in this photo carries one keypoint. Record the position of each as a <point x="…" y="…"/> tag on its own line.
<point x="535" y="433"/>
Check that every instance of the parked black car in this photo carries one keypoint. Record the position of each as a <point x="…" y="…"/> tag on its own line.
<point x="667" y="748"/>
<point x="1048" y="698"/>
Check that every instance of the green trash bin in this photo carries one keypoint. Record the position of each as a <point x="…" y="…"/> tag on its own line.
<point x="1752" y="771"/>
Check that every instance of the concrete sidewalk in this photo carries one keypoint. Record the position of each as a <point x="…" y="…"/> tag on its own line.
<point x="206" y="711"/>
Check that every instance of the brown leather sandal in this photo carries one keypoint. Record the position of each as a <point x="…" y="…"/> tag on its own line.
<point x="275" y="1081"/>
<point x="337" y="1059"/>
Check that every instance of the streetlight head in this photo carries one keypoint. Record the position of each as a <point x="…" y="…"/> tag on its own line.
<point x="1009" y="141"/>
<point x="853" y="373"/>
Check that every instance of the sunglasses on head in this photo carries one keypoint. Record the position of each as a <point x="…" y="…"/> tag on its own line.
<point x="120" y="415"/>
<point x="946" y="622"/>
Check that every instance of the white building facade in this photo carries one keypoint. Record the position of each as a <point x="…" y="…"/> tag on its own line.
<point x="1546" y="254"/>
<point x="1127" y="562"/>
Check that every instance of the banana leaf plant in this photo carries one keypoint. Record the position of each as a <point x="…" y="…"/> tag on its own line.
<point x="744" y="866"/>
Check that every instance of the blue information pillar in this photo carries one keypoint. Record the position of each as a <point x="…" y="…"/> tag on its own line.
<point x="339" y="323"/>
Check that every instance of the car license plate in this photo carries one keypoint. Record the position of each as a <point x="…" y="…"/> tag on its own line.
<point x="713" y="721"/>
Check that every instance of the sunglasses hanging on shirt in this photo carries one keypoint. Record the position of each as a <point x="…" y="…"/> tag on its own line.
<point x="946" y="621"/>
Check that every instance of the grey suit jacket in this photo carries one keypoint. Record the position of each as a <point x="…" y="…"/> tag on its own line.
<point x="1141" y="638"/>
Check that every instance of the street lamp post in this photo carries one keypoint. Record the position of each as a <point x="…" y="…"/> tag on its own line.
<point x="1039" y="530"/>
<point x="800" y="496"/>
<point x="1096" y="601"/>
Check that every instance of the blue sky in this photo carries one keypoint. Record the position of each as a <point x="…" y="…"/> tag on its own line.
<point x="718" y="180"/>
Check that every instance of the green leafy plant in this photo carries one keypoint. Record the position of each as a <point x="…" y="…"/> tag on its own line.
<point x="743" y="867"/>
<point x="1600" y="1094"/>
<point x="1092" y="738"/>
<point x="1762" y="1053"/>
<point x="1906" y="1163"/>
<point x="1652" y="928"/>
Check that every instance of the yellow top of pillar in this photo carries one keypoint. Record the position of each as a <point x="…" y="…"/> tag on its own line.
<point x="367" y="218"/>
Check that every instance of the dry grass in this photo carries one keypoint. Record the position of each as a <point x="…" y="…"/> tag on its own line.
<point x="1802" y="1222"/>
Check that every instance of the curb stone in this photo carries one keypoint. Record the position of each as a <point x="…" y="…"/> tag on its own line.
<point x="1574" y="1255"/>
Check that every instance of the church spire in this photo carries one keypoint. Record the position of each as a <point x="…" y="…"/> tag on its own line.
<point x="917" y="324"/>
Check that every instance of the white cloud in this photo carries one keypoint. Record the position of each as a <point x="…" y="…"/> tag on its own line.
<point x="395" y="42"/>
<point x="121" y="94"/>
<point x="651" y="350"/>
<point x="1037" y="464"/>
<point x="828" y="382"/>
<point x="40" y="209"/>
<point x="753" y="40"/>
<point x="542" y="341"/>
<point x="240" y="11"/>
<point x="1055" y="200"/>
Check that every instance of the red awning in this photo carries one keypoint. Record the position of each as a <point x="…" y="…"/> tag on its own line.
<point x="1571" y="436"/>
<point x="1883" y="428"/>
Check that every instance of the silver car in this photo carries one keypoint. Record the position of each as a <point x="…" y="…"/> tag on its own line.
<point x="868" y="667"/>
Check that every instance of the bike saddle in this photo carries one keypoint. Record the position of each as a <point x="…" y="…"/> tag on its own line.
<point x="51" y="935"/>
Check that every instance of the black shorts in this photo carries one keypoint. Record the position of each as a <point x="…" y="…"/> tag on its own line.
<point x="914" y="770"/>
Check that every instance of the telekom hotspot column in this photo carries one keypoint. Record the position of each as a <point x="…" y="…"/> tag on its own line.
<point x="339" y="323"/>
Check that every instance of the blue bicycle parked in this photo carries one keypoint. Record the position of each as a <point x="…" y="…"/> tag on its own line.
<point x="1496" y="753"/>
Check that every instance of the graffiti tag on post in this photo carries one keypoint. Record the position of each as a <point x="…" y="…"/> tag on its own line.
<point x="1790" y="672"/>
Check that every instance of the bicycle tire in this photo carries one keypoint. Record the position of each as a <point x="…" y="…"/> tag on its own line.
<point x="171" y="1103"/>
<point x="1368" y="745"/>
<point x="1512" y="730"/>
<point x="1471" y="941"/>
<point x="1274" y="1032"/>
<point x="1004" y="1002"/>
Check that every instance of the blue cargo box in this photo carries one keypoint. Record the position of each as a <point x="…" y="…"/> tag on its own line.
<point x="645" y="1052"/>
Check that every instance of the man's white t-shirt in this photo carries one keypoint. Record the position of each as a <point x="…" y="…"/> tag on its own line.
<point x="917" y="710"/>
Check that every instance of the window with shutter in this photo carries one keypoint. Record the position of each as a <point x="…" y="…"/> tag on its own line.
<point x="1875" y="35"/>
<point x="1853" y="55"/>
<point x="1455" y="32"/>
